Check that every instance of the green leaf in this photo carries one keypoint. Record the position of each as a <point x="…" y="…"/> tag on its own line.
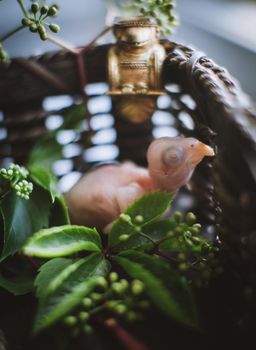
<point x="18" y="286"/>
<point x="66" y="290"/>
<point x="45" y="152"/>
<point x="51" y="276"/>
<point x="151" y="206"/>
<point x="73" y="117"/>
<point x="61" y="241"/>
<point x="156" y="230"/>
<point x="162" y="285"/>
<point x="59" y="213"/>
<point x="44" y="178"/>
<point x="22" y="218"/>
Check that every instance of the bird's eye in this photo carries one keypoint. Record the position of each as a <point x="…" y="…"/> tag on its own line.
<point x="173" y="156"/>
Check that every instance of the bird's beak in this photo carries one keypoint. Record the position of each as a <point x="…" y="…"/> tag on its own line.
<point x="200" y="151"/>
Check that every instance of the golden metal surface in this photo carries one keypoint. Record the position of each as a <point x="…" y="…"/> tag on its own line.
<point x="134" y="68"/>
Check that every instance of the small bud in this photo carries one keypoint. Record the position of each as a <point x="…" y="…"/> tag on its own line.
<point x="84" y="316"/>
<point x="10" y="172"/>
<point x="113" y="277"/>
<point x="52" y="11"/>
<point x="35" y="7"/>
<point x="33" y="28"/>
<point x="41" y="29"/>
<point x="54" y="28"/>
<point x="70" y="320"/>
<point x="138" y="219"/>
<point x="44" y="9"/>
<point x="190" y="218"/>
<point x="123" y="238"/>
<point x="125" y="217"/>
<point x="3" y="171"/>
<point x="43" y="37"/>
<point x="87" y="302"/>
<point x="177" y="216"/>
<point x="137" y="287"/>
<point x="26" y="22"/>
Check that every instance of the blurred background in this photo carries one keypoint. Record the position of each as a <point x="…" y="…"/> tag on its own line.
<point x="224" y="29"/>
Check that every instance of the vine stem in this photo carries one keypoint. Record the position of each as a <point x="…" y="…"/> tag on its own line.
<point x="23" y="8"/>
<point x="11" y="33"/>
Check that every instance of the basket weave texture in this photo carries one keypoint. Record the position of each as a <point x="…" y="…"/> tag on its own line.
<point x="197" y="89"/>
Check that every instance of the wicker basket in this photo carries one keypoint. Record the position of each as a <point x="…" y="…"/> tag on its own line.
<point x="202" y="100"/>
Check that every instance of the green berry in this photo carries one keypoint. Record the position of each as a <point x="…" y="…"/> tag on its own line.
<point x="125" y="218"/>
<point x="137" y="287"/>
<point x="54" y="28"/>
<point x="102" y="282"/>
<point x="10" y="172"/>
<point x="41" y="29"/>
<point x="35" y="7"/>
<point x="113" y="277"/>
<point x="70" y="320"/>
<point x="44" y="9"/>
<point x="123" y="238"/>
<point x="87" y="302"/>
<point x="138" y="219"/>
<point x="43" y="37"/>
<point x="190" y="218"/>
<point x="117" y="288"/>
<point x="124" y="283"/>
<point x="84" y="316"/>
<point x="26" y="22"/>
<point x="3" y="171"/>
<point x="120" y="309"/>
<point x="137" y="229"/>
<point x="52" y="11"/>
<point x="33" y="28"/>
<point x="177" y="216"/>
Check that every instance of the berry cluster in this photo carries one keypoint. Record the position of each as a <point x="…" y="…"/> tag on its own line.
<point x="35" y="20"/>
<point x="196" y="258"/>
<point x="16" y="176"/>
<point x="160" y="10"/>
<point x="114" y="298"/>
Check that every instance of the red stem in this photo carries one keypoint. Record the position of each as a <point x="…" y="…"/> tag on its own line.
<point x="128" y="341"/>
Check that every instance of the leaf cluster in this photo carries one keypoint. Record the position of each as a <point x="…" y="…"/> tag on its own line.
<point x="80" y="281"/>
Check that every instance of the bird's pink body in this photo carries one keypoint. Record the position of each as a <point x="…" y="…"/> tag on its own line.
<point x="103" y="193"/>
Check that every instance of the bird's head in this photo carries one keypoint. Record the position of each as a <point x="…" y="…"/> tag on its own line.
<point x="172" y="160"/>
